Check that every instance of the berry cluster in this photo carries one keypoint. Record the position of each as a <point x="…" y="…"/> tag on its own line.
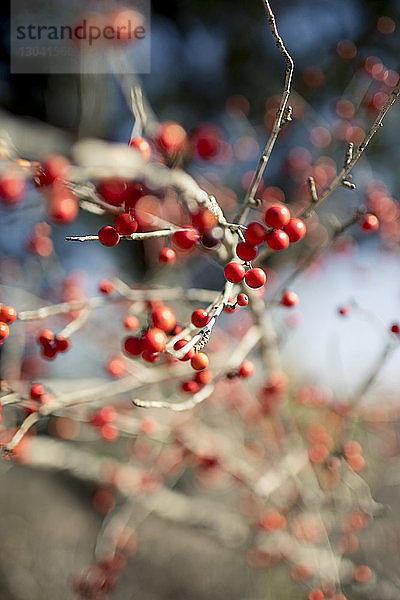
<point x="51" y="344"/>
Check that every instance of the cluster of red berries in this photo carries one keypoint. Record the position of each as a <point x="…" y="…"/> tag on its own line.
<point x="52" y="344"/>
<point x="234" y="303"/>
<point x="124" y="224"/>
<point x="40" y="242"/>
<point x="236" y="272"/>
<point x="104" y="420"/>
<point x="8" y="314"/>
<point x="50" y="178"/>
<point x="283" y="230"/>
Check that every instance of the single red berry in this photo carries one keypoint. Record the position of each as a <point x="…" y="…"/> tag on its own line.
<point x="106" y="287"/>
<point x="36" y="391"/>
<point x="62" y="344"/>
<point x="4" y="331"/>
<point x="246" y="369"/>
<point x="343" y="310"/>
<point x="131" y="322"/>
<point x="45" y="337"/>
<point x="277" y="240"/>
<point x="204" y="220"/>
<point x="150" y="357"/>
<point x="154" y="340"/>
<point x="234" y="272"/>
<point x="166" y="256"/>
<point x="362" y="574"/>
<point x="53" y="167"/>
<point x="289" y="299"/>
<point x="113" y="190"/>
<point x="369" y="222"/>
<point x="255" y="278"/>
<point x="295" y="229"/>
<point x="277" y="216"/>
<point x="116" y="367"/>
<point x="171" y="138"/>
<point x="8" y="314"/>
<point x="133" y="346"/>
<point x="12" y="187"/>
<point x="190" y="387"/>
<point x="179" y="345"/>
<point x="203" y="377"/>
<point x="63" y="207"/>
<point x="142" y="145"/>
<point x="186" y="239"/>
<point x="246" y="252"/>
<point x="163" y="318"/>
<point x="125" y="224"/>
<point x="242" y="299"/>
<point x="200" y="317"/>
<point x="316" y="595"/>
<point x="395" y="328"/>
<point x="199" y="361"/>
<point x="255" y="234"/>
<point x="231" y="306"/>
<point x="108" y="236"/>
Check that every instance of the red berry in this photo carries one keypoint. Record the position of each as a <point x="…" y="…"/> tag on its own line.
<point x="255" y="278"/>
<point x="200" y="317"/>
<point x="163" y="318"/>
<point x="231" y="306"/>
<point x="242" y="299"/>
<point x="395" y="328"/>
<point x="369" y="222"/>
<point x="190" y="387"/>
<point x="108" y="236"/>
<point x="204" y="220"/>
<point x="255" y="234"/>
<point x="45" y="337"/>
<point x="234" y="272"/>
<point x="203" y="377"/>
<point x="106" y="287"/>
<point x="246" y="369"/>
<point x="4" y="331"/>
<point x="113" y="190"/>
<point x="277" y="216"/>
<point x="133" y="346"/>
<point x="166" y="256"/>
<point x="316" y="595"/>
<point x="142" y="145"/>
<point x="179" y="345"/>
<point x="62" y="344"/>
<point x="53" y="167"/>
<point x="154" y="340"/>
<point x="12" y="187"/>
<point x="150" y="357"/>
<point x="186" y="239"/>
<point x="8" y="314"/>
<point x="131" y="322"/>
<point x="48" y="351"/>
<point x="246" y="252"/>
<point x="63" y="207"/>
<point x="343" y="310"/>
<point x="199" y="361"/>
<point x="36" y="391"/>
<point x="277" y="240"/>
<point x="289" y="299"/>
<point x="171" y="137"/>
<point x="125" y="224"/>
<point x="295" y="229"/>
<point x="362" y="574"/>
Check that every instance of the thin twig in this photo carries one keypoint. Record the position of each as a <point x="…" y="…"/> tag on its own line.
<point x="249" y="198"/>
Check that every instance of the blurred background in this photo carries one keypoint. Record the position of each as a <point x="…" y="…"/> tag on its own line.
<point x="214" y="67"/>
